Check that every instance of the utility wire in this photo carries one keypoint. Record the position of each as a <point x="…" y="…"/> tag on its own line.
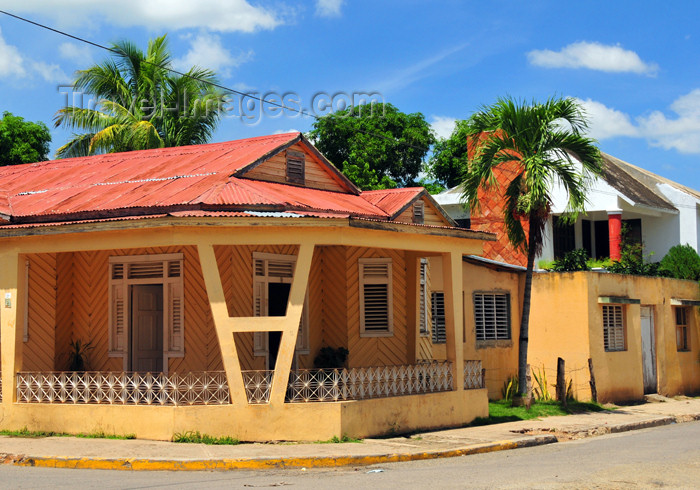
<point x="222" y="87"/>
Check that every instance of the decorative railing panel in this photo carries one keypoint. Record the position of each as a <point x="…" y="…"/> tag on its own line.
<point x="363" y="383"/>
<point x="473" y="379"/>
<point x="258" y="385"/>
<point x="195" y="388"/>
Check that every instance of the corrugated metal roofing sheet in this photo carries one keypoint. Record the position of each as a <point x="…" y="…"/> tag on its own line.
<point x="391" y="201"/>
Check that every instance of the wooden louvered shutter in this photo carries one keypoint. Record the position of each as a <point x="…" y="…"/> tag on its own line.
<point x="376" y="315"/>
<point x="423" y="297"/>
<point x="296" y="163"/>
<point x="419" y="212"/>
<point x="437" y="303"/>
<point x="118" y="320"/>
<point x="176" y="344"/>
<point x="492" y="316"/>
<point x="259" y="338"/>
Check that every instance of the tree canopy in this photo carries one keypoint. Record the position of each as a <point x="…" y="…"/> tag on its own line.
<point x="540" y="143"/>
<point x="449" y="160"/>
<point x="22" y="141"/>
<point x="141" y="103"/>
<point x="377" y="148"/>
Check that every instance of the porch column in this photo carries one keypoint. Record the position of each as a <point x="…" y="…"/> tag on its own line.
<point x="10" y="333"/>
<point x="452" y="285"/>
<point x="614" y="232"/>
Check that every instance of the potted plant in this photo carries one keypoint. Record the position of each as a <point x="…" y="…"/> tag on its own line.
<point x="78" y="355"/>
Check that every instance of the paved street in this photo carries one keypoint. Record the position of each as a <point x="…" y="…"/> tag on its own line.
<point x="650" y="458"/>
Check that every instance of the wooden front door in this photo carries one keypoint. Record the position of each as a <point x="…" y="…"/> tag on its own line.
<point x="147" y="328"/>
<point x="648" y="349"/>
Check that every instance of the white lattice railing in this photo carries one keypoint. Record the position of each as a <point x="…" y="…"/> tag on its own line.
<point x="473" y="377"/>
<point x="258" y="385"/>
<point x="195" y="388"/>
<point x="362" y="383"/>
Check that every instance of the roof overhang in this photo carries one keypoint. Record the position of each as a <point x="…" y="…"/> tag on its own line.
<point x="684" y="302"/>
<point x="618" y="300"/>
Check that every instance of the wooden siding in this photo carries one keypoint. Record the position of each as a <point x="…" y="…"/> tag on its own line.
<point x="316" y="175"/>
<point x="376" y="351"/>
<point x="432" y="215"/>
<point x="82" y="314"/>
<point x="38" y="351"/>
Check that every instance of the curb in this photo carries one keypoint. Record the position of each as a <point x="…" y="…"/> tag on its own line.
<point x="264" y="464"/>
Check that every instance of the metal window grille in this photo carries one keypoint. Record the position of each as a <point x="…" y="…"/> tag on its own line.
<point x="613" y="328"/>
<point x="437" y="304"/>
<point x="492" y="316"/>
<point x="473" y="378"/>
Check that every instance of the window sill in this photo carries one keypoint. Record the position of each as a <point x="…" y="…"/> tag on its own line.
<point x="376" y="334"/>
<point x="500" y="343"/>
<point x="684" y="350"/>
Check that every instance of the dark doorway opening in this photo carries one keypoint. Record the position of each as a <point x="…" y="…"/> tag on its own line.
<point x="278" y="296"/>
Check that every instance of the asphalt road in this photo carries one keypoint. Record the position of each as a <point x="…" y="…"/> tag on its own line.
<point x="666" y="456"/>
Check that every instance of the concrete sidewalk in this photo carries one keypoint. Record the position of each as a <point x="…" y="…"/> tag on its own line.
<point x="72" y="452"/>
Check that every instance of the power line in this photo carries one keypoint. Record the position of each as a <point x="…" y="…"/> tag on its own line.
<point x="209" y="82"/>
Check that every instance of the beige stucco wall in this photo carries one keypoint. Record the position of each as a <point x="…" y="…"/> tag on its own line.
<point x="499" y="358"/>
<point x="567" y="321"/>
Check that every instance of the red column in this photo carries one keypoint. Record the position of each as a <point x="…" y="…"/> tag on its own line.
<point x="614" y="230"/>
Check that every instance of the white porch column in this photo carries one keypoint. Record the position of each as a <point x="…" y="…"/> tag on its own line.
<point x="452" y="285"/>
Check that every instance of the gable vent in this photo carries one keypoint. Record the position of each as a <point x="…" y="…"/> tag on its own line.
<point x="418" y="212"/>
<point x="295" y="167"/>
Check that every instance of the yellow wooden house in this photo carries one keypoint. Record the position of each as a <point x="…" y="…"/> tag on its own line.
<point x="200" y="283"/>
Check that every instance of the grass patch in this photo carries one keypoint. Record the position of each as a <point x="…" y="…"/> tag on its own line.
<point x="501" y="411"/>
<point x="340" y="440"/>
<point x="24" y="432"/>
<point x="197" y="438"/>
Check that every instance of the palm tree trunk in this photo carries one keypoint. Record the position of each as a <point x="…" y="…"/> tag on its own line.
<point x="525" y="319"/>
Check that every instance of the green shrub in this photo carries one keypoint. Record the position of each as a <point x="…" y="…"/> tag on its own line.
<point x="632" y="259"/>
<point x="575" y="260"/>
<point x="682" y="262"/>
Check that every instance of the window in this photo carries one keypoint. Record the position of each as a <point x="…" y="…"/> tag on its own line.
<point x="423" y="299"/>
<point x="437" y="305"/>
<point x="295" y="167"/>
<point x="613" y="328"/>
<point x="492" y="316"/>
<point x="276" y="270"/>
<point x="376" y="305"/>
<point x="126" y="271"/>
<point x="682" y="329"/>
<point x="564" y="237"/>
<point x="419" y="212"/>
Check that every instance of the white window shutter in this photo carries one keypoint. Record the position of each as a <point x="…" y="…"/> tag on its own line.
<point x="175" y="314"/>
<point x="118" y="321"/>
<point x="303" y="334"/>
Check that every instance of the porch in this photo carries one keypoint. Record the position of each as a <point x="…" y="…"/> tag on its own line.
<point x="222" y="349"/>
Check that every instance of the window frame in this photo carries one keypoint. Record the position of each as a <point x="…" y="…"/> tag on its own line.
<point x="173" y="300"/>
<point x="682" y="329"/>
<point x="508" y="320"/>
<point x="388" y="280"/>
<point x="613" y="308"/>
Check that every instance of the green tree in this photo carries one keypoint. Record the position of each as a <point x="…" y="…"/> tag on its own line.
<point x="538" y="140"/>
<point x="449" y="160"/>
<point x="376" y="147"/>
<point x="22" y="141"/>
<point x="141" y="103"/>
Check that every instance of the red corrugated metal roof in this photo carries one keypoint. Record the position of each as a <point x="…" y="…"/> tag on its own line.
<point x="391" y="201"/>
<point x="187" y="181"/>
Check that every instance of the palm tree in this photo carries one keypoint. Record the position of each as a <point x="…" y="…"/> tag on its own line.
<point x="142" y="104"/>
<point x="538" y="143"/>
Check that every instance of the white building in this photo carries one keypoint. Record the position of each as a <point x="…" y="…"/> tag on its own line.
<point x="660" y="212"/>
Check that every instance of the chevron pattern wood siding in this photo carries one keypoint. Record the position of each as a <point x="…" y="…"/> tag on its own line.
<point x="82" y="312"/>
<point x="236" y="269"/>
<point x="376" y="351"/>
<point x="38" y="351"/>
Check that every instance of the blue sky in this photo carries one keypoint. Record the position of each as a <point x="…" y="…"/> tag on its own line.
<point x="634" y="65"/>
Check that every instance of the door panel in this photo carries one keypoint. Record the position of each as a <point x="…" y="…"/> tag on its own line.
<point x="648" y="349"/>
<point x="147" y="328"/>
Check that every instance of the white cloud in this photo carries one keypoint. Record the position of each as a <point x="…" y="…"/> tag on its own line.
<point x="605" y="122"/>
<point x="79" y="53"/>
<point x="443" y="126"/>
<point x="285" y="131"/>
<point x="14" y="65"/>
<point x="206" y="51"/>
<point x="680" y="132"/>
<point x="11" y="61"/>
<point x="328" y="8"/>
<point x="155" y="15"/>
<point x="594" y="56"/>
<point x="417" y="71"/>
